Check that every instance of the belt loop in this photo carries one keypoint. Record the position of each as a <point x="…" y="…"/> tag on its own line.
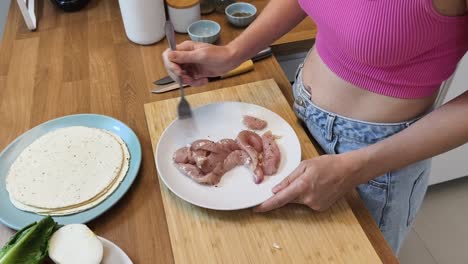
<point x="329" y="131"/>
<point x="298" y="70"/>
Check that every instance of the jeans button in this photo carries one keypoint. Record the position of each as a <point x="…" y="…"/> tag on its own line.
<point x="299" y="101"/>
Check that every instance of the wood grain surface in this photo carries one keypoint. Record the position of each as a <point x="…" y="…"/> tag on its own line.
<point x="67" y="67"/>
<point x="83" y="63"/>
<point x="208" y="236"/>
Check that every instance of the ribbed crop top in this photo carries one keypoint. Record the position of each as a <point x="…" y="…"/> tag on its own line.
<point x="398" y="48"/>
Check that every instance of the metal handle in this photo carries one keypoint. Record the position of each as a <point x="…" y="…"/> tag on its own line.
<point x="170" y="35"/>
<point x="169" y="28"/>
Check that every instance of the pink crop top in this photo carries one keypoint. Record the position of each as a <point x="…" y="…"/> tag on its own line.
<point x="398" y="48"/>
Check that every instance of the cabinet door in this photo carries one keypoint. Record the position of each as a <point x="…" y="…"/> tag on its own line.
<point x="453" y="164"/>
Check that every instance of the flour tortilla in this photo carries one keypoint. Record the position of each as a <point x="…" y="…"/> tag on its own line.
<point x="92" y="203"/>
<point x="65" y="168"/>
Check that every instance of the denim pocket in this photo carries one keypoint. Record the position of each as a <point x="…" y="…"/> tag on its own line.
<point x="381" y="182"/>
<point x="374" y="194"/>
<point x="418" y="192"/>
<point x="319" y="134"/>
<point x="299" y="105"/>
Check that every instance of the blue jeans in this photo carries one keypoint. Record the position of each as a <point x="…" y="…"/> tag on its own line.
<point x="393" y="199"/>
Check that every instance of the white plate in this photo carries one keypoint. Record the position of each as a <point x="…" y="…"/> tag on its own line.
<point x="113" y="254"/>
<point x="237" y="189"/>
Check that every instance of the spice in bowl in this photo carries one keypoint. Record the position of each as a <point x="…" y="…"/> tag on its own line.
<point x="241" y="14"/>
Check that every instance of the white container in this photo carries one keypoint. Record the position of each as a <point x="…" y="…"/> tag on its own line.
<point x="143" y="20"/>
<point x="183" y="13"/>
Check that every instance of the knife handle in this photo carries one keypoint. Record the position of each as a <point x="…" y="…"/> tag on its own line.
<point x="244" y="67"/>
<point x="262" y="54"/>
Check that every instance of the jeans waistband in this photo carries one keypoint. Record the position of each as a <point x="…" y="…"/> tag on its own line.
<point x="334" y="124"/>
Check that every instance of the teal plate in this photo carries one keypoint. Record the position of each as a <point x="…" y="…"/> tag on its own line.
<point x="16" y="219"/>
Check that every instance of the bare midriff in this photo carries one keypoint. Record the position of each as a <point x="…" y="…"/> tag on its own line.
<point x="330" y="92"/>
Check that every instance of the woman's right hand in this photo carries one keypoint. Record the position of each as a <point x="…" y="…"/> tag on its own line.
<point x="194" y="62"/>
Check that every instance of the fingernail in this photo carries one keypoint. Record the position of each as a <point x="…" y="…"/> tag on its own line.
<point x="276" y="189"/>
<point x="172" y="55"/>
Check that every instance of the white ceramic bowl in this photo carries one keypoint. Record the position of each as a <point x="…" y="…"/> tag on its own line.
<point x="204" y="31"/>
<point x="241" y="7"/>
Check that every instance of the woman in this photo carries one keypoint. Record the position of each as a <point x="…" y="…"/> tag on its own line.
<point x="365" y="92"/>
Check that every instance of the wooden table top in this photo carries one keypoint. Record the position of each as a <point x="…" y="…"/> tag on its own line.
<point x="83" y="63"/>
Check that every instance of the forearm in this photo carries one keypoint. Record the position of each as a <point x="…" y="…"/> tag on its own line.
<point x="276" y="19"/>
<point x="440" y="131"/>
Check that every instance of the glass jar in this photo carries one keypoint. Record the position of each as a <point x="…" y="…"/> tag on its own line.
<point x="183" y="13"/>
<point x="221" y="5"/>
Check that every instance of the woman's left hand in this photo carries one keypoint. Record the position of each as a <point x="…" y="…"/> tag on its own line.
<point x="317" y="183"/>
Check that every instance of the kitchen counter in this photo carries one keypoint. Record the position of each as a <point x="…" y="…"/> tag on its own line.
<point x="83" y="63"/>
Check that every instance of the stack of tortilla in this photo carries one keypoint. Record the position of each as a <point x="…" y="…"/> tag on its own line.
<point x="67" y="171"/>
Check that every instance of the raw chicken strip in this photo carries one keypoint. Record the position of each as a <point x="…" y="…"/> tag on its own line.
<point x="204" y="144"/>
<point x="206" y="161"/>
<point x="195" y="173"/>
<point x="247" y="137"/>
<point x="214" y="176"/>
<point x="236" y="158"/>
<point x="199" y="157"/>
<point x="182" y="155"/>
<point x="185" y="155"/>
<point x="223" y="146"/>
<point x="211" y="161"/>
<point x="252" y="143"/>
<point x="190" y="170"/>
<point x="271" y="154"/>
<point x="254" y="123"/>
<point x="229" y="145"/>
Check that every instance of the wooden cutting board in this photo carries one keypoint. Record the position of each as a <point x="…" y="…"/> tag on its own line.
<point x="293" y="234"/>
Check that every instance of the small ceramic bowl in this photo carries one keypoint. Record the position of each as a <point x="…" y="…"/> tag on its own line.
<point x="204" y="31"/>
<point x="241" y="14"/>
<point x="70" y="5"/>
